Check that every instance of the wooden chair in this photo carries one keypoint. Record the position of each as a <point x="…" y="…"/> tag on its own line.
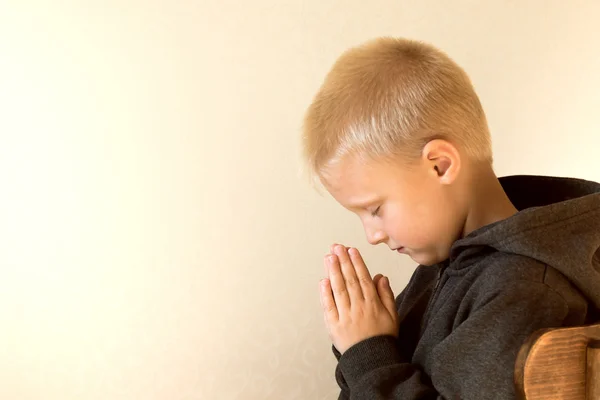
<point x="562" y="363"/>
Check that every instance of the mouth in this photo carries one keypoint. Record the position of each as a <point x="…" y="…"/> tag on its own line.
<point x="399" y="249"/>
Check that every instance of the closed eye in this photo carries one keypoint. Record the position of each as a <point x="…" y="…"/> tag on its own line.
<point x="374" y="213"/>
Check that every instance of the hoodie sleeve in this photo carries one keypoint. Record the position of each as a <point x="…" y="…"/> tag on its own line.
<point x="475" y="361"/>
<point x="339" y="377"/>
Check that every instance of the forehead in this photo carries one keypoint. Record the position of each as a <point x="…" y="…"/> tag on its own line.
<point x="353" y="182"/>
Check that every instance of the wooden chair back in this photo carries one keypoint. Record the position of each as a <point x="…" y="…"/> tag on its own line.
<point x="560" y="364"/>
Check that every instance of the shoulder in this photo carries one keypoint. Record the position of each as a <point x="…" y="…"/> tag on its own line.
<point x="503" y="268"/>
<point x="525" y="279"/>
<point x="500" y="267"/>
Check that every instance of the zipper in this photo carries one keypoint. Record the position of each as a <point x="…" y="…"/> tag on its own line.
<point x="432" y="298"/>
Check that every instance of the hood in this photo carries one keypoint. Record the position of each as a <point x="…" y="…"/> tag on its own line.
<point x="558" y="223"/>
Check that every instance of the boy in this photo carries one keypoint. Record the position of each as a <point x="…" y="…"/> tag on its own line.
<point x="397" y="135"/>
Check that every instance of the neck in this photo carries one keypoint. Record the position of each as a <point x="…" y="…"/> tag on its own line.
<point x="489" y="202"/>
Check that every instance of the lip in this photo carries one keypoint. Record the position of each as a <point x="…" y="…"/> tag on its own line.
<point x="400" y="249"/>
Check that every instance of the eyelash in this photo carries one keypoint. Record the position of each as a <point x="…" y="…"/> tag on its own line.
<point x="374" y="213"/>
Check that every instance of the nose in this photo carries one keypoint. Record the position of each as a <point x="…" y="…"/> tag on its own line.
<point x="374" y="235"/>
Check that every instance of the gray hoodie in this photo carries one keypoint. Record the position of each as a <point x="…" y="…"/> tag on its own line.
<point x="463" y="321"/>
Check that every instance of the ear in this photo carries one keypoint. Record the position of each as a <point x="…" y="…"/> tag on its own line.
<point x="442" y="159"/>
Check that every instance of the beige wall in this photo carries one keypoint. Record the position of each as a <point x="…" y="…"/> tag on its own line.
<point x="156" y="241"/>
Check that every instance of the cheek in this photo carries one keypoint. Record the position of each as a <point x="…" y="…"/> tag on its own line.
<point x="405" y="227"/>
<point x="439" y="221"/>
<point x="419" y="226"/>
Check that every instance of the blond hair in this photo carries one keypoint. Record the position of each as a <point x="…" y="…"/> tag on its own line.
<point x="387" y="98"/>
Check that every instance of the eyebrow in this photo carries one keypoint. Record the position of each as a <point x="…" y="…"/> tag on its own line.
<point x="364" y="202"/>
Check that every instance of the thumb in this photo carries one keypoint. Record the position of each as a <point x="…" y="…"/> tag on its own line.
<point x="387" y="295"/>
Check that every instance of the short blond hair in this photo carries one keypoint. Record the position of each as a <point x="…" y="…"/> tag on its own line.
<point x="387" y="98"/>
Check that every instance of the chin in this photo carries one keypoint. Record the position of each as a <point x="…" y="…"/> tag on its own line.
<point x="424" y="259"/>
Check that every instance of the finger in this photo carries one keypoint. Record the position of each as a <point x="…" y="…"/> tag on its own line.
<point x="332" y="247"/>
<point x="387" y="295"/>
<point x="338" y="285"/>
<point x="348" y="270"/>
<point x="376" y="279"/>
<point x="327" y="302"/>
<point x="369" y="290"/>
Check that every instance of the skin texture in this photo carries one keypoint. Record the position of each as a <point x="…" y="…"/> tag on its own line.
<point x="423" y="207"/>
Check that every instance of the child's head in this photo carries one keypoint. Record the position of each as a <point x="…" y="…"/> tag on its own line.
<point x="393" y="124"/>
